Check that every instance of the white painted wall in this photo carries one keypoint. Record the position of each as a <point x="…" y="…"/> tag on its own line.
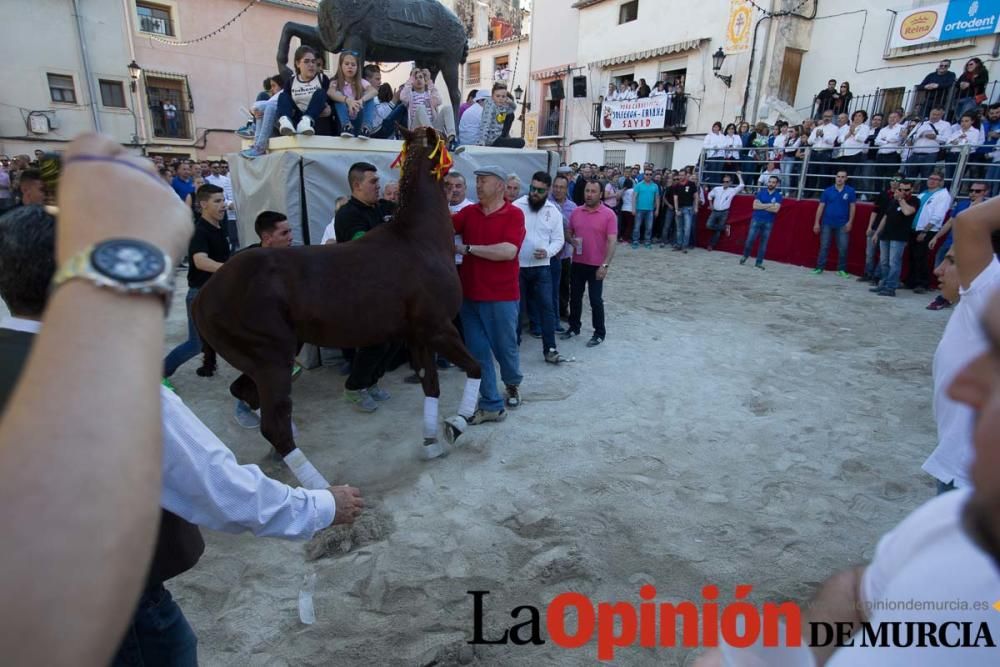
<point x="51" y="23"/>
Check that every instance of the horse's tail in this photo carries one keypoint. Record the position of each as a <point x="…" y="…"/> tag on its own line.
<point x="209" y="361"/>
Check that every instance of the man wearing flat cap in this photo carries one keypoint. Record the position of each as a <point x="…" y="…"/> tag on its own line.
<point x="492" y="232"/>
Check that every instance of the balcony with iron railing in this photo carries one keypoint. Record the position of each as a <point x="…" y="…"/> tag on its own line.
<point x="179" y="126"/>
<point x="913" y="101"/>
<point x="674" y="120"/>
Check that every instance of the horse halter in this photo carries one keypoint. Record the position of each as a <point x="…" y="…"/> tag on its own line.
<point x="440" y="155"/>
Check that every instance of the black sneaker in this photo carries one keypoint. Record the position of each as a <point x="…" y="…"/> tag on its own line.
<point x="552" y="356"/>
<point x="569" y="334"/>
<point x="595" y="341"/>
<point x="865" y="279"/>
<point x="513" y="396"/>
<point x="743" y="260"/>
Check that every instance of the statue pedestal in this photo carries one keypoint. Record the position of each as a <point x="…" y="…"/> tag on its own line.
<point x="303" y="176"/>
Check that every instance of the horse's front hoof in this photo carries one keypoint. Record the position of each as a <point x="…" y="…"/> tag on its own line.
<point x="432" y="449"/>
<point x="454" y="427"/>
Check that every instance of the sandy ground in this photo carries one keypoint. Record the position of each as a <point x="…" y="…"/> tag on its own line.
<point x="737" y="427"/>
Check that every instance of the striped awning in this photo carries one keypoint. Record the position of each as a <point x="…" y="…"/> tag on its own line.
<point x="551" y="72"/>
<point x="636" y="56"/>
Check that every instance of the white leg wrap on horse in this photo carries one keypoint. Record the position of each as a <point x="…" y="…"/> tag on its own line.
<point x="430" y="417"/>
<point x="304" y="471"/>
<point x="470" y="397"/>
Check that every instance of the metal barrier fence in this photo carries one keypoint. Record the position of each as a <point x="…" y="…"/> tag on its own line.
<point x="811" y="171"/>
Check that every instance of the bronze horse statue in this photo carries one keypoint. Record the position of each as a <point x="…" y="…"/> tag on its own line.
<point x="396" y="283"/>
<point x="424" y="31"/>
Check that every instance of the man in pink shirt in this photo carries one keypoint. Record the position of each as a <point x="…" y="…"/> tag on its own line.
<point x="593" y="231"/>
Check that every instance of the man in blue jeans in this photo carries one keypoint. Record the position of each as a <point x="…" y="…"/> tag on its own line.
<point x="647" y="207"/>
<point x="543" y="241"/>
<point x="686" y="202"/>
<point x="766" y="205"/>
<point x="893" y="234"/>
<point x="835" y="215"/>
<point x="209" y="248"/>
<point x="492" y="233"/>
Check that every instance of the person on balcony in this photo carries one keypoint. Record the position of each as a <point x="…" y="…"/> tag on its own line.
<point x="852" y="138"/>
<point x="789" y="163"/>
<point x="715" y="146"/>
<point x="925" y="140"/>
<point x="937" y="86"/>
<point x="826" y="99"/>
<point x="970" y="87"/>
<point x="822" y="139"/>
<point x="170" y="118"/>
<point x="734" y="152"/>
<point x="888" y="142"/>
<point x="965" y="133"/>
<point x="612" y="95"/>
<point x="842" y="100"/>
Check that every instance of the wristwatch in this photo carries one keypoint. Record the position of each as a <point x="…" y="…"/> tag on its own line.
<point x="468" y="249"/>
<point x="605" y="266"/>
<point x="128" y="266"/>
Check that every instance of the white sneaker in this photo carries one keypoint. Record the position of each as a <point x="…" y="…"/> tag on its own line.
<point x="285" y="127"/>
<point x="346" y="135"/>
<point x="305" y="126"/>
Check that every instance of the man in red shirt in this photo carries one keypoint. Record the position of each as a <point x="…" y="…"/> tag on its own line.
<point x="593" y="231"/>
<point x="492" y="232"/>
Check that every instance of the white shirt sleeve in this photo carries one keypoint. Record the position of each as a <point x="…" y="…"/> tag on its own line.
<point x="556" y="236"/>
<point x="329" y="233"/>
<point x="924" y="525"/>
<point x="935" y="210"/>
<point x="203" y="484"/>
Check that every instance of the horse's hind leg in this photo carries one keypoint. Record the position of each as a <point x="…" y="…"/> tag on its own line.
<point x="423" y="359"/>
<point x="274" y="386"/>
<point x="244" y="389"/>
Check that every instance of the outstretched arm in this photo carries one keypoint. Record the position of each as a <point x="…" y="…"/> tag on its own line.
<point x="79" y="492"/>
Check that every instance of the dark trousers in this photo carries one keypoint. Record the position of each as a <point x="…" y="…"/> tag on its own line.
<point x="919" y="255"/>
<point x="584" y="276"/>
<point x="564" y="280"/>
<point x="887" y="166"/>
<point x="625" y="227"/>
<point x="369" y="365"/>
<point x="158" y="635"/>
<point x="536" y="297"/>
<point x="190" y="348"/>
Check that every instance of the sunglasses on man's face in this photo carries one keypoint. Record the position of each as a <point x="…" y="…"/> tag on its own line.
<point x="540" y="191"/>
<point x="906" y="190"/>
<point x="977" y="189"/>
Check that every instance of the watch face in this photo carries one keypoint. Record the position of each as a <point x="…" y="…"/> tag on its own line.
<point x="128" y="261"/>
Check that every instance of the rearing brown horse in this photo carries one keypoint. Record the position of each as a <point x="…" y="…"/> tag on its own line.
<point x="396" y="283"/>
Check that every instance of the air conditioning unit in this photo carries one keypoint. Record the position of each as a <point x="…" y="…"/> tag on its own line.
<point x="39" y="123"/>
<point x="53" y="117"/>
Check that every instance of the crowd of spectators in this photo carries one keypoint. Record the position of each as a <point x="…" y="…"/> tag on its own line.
<point x="357" y="104"/>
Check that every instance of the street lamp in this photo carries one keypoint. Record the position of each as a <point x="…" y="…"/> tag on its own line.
<point x="518" y="94"/>
<point x="135" y="72"/>
<point x="718" y="58"/>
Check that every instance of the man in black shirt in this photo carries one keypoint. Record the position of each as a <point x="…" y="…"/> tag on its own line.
<point x="893" y="235"/>
<point x="685" y="195"/>
<point x="362" y="213"/>
<point x="826" y="98"/>
<point x="581" y="184"/>
<point x="273" y="231"/>
<point x="883" y="202"/>
<point x="208" y="249"/>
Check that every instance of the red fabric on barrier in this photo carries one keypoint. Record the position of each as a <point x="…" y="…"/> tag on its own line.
<point x="792" y="238"/>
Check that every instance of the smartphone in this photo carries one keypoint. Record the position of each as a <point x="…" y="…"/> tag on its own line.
<point x="50" y="166"/>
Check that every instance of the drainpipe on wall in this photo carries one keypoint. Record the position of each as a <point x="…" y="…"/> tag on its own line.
<point x="139" y="111"/>
<point x="764" y="62"/>
<point x="86" y="67"/>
